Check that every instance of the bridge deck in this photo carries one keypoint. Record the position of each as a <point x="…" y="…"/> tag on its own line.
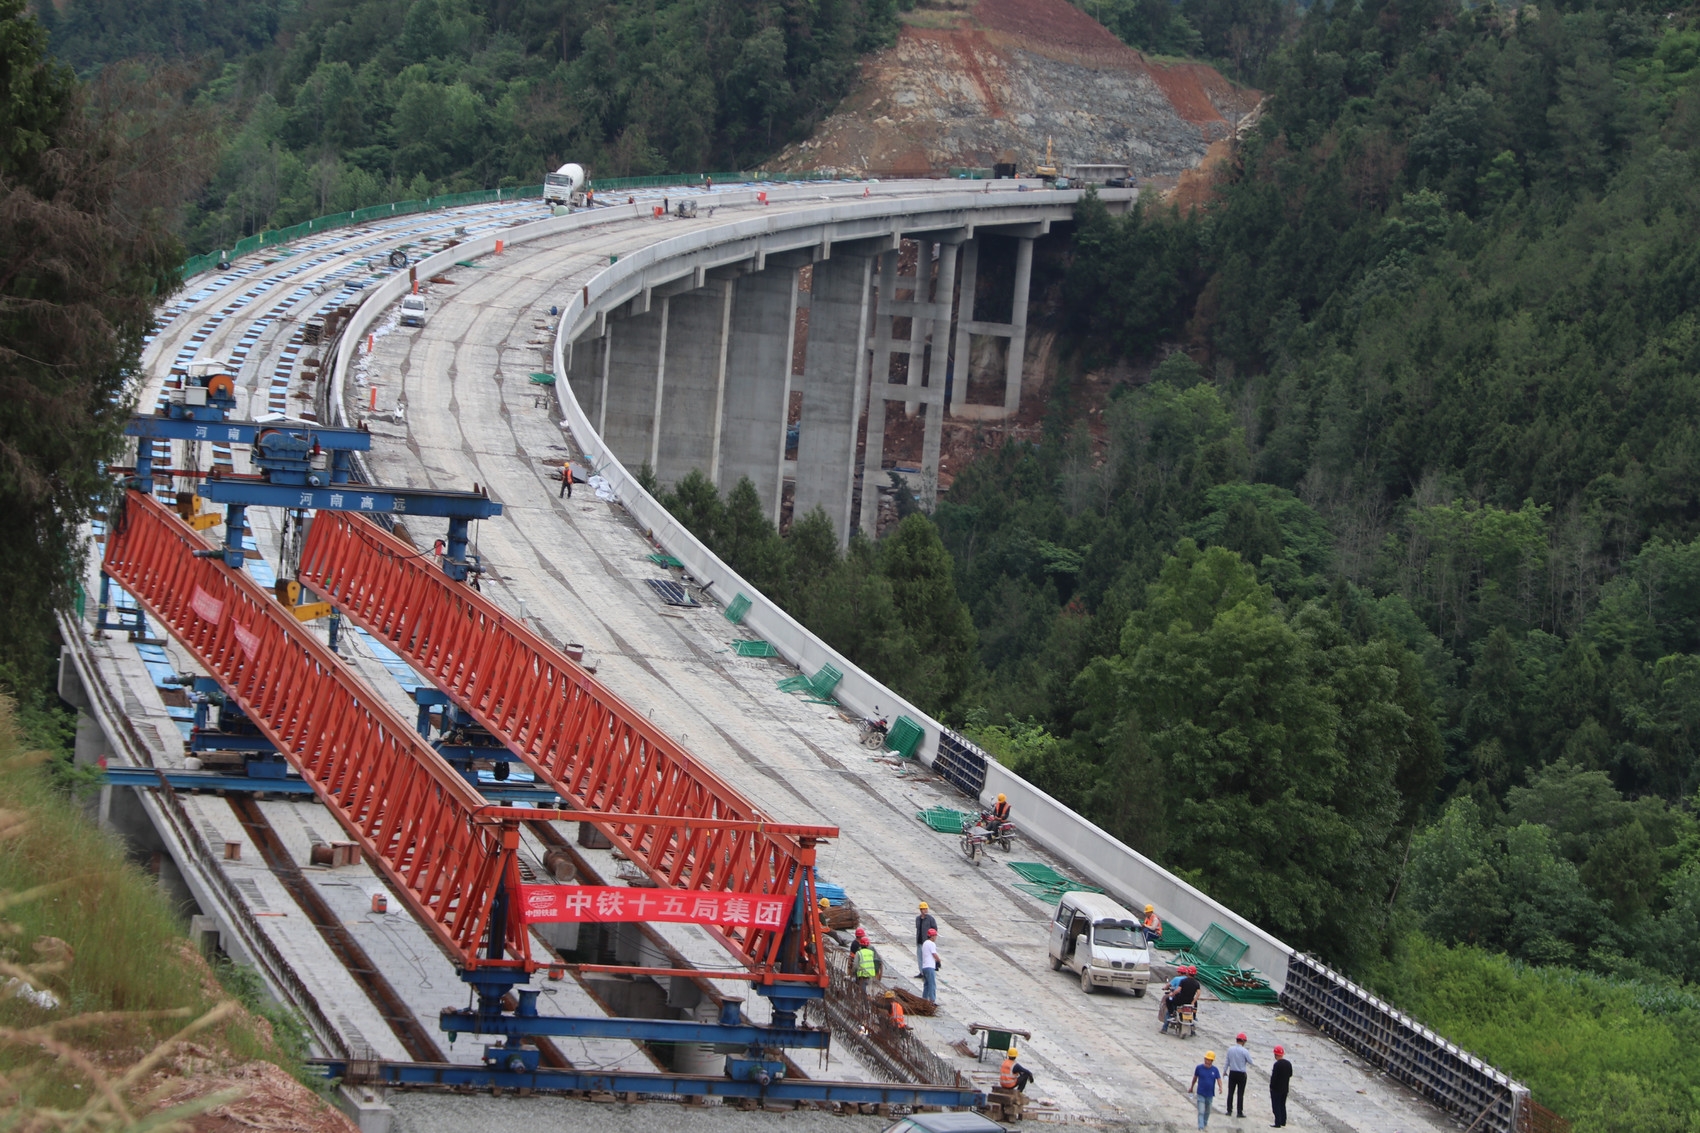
<point x="578" y="568"/>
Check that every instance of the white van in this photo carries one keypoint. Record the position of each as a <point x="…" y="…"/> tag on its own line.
<point x="1096" y="937"/>
<point x="412" y="311"/>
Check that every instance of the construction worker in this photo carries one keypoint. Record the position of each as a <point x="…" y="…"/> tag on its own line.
<point x="862" y="942"/>
<point x="1153" y="924"/>
<point x="1239" y="1064"/>
<point x="567" y="479"/>
<point x="824" y="906"/>
<point x="897" y="1019"/>
<point x="922" y="923"/>
<point x="1204" y="1079"/>
<point x="864" y="964"/>
<point x="1013" y="1075"/>
<point x="930" y="966"/>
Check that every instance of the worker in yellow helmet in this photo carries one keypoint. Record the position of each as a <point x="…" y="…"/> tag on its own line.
<point x="1001" y="810"/>
<point x="922" y="923"/>
<point x="1204" y="1079"/>
<point x="1013" y="1075"/>
<point x="1153" y="924"/>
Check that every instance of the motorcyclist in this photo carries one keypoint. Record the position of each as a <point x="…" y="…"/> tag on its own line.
<point x="1183" y="990"/>
<point x="995" y="819"/>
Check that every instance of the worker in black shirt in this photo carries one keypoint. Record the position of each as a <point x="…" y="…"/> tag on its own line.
<point x="922" y="923"/>
<point x="1280" y="1075"/>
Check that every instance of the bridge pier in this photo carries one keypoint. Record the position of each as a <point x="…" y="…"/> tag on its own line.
<point x="634" y="376"/>
<point x="760" y="341"/>
<point x="686" y="430"/>
<point x="836" y="375"/>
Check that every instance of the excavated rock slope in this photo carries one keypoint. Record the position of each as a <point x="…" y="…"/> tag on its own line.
<point x="989" y="83"/>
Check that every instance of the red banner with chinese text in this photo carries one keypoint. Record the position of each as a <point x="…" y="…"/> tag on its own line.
<point x="548" y="903"/>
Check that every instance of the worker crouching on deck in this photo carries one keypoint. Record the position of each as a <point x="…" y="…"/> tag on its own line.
<point x="1013" y="1075"/>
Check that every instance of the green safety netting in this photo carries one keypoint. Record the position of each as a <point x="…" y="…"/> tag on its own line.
<point x="818" y="688"/>
<point x="736" y="611"/>
<point x="1046" y="883"/>
<point x="944" y="819"/>
<point x="903" y="737"/>
<point x="1234" y="984"/>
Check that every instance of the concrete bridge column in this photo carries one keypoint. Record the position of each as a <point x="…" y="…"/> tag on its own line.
<point x="1015" y="330"/>
<point x="1018" y="327"/>
<point x="836" y="375"/>
<point x="759" y="342"/>
<point x="633" y="370"/>
<point x="932" y="436"/>
<point x="879" y="382"/>
<point x="687" y="428"/>
<point x="964" y="318"/>
<point x="585" y="373"/>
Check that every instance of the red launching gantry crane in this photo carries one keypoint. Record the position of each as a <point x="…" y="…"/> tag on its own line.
<point x="448" y="851"/>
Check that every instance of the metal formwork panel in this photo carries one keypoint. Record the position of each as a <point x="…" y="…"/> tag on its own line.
<point x="1440" y="1071"/>
<point x="591" y="747"/>
<point x="441" y="846"/>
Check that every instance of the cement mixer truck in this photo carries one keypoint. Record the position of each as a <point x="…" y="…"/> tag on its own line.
<point x="564" y="186"/>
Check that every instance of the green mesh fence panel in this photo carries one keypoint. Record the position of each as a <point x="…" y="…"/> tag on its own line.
<point x="798" y="683"/>
<point x="659" y="558"/>
<point x="943" y="819"/>
<point x="823" y="682"/>
<point x="1040" y="873"/>
<point x="754" y="649"/>
<point x="904" y="735"/>
<point x="1220" y="947"/>
<point x="1174" y="940"/>
<point x="736" y="611"/>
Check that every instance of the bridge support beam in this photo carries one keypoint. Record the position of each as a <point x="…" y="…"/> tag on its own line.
<point x="837" y="374"/>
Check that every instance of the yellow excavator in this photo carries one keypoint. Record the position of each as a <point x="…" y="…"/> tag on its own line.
<point x="1047" y="171"/>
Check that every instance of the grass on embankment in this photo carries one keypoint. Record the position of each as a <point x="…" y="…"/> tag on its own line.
<point x="80" y="923"/>
<point x="1615" y="1055"/>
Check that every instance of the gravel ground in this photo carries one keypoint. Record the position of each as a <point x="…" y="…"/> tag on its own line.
<point x="450" y="1113"/>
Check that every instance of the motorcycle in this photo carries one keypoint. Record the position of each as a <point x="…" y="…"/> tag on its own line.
<point x="973" y="840"/>
<point x="997" y="832"/>
<point x="874" y="732"/>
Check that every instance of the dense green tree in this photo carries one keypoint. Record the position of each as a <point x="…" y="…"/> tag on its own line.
<point x="88" y="189"/>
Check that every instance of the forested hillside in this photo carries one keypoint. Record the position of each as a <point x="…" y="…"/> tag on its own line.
<point x="327" y="105"/>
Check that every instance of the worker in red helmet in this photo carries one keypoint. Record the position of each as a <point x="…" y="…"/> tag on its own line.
<point x="1280" y="1077"/>
<point x="1184" y="992"/>
<point x="1238" y="1065"/>
<point x="930" y="965"/>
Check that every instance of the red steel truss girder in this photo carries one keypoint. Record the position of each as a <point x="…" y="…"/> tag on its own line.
<point x="587" y="744"/>
<point x="439" y="842"/>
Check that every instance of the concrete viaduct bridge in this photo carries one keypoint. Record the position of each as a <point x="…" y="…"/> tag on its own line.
<point x="682" y="358"/>
<point x="672" y="342"/>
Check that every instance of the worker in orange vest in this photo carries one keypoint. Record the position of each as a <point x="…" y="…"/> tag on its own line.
<point x="897" y="1019"/>
<point x="567" y="479"/>
<point x="1013" y="1075"/>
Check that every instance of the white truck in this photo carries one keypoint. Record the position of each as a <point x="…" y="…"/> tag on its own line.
<point x="1105" y="943"/>
<point x="413" y="311"/>
<point x="563" y="186"/>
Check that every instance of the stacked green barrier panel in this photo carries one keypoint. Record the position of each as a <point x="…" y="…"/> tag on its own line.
<point x="736" y="611"/>
<point x="754" y="649"/>
<point x="1174" y="940"/>
<point x="661" y="558"/>
<point x="1051" y="894"/>
<point x="944" y="819"/>
<point x="903" y="737"/>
